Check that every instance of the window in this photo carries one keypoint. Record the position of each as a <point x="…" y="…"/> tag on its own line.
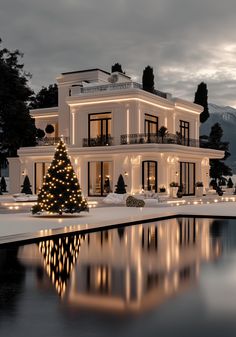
<point x="99" y="178"/>
<point x="40" y="170"/>
<point x="149" y="175"/>
<point x="99" y="129"/>
<point x="184" y="132"/>
<point x="150" y="127"/>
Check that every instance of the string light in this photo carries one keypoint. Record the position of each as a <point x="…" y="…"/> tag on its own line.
<point x="60" y="191"/>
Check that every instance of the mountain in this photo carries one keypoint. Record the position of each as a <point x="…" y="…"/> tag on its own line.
<point x="226" y="117"/>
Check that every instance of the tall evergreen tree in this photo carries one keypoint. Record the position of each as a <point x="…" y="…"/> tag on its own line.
<point x="120" y="186"/>
<point x="61" y="191"/>
<point x="16" y="125"/>
<point x="117" y="67"/>
<point x="3" y="185"/>
<point x="148" y="79"/>
<point x="218" y="168"/>
<point x="26" y="187"/>
<point x="201" y="98"/>
<point x="47" y="97"/>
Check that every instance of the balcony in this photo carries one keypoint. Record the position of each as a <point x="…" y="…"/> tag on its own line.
<point x="50" y="141"/>
<point x="77" y="90"/>
<point x="98" y="141"/>
<point x="142" y="138"/>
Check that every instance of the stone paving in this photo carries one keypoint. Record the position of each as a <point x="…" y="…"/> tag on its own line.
<point x="18" y="223"/>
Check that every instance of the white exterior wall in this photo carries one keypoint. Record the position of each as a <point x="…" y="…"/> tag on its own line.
<point x="128" y="107"/>
<point x="15" y="175"/>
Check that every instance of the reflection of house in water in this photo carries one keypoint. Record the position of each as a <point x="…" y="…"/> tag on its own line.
<point x="131" y="268"/>
<point x="144" y="267"/>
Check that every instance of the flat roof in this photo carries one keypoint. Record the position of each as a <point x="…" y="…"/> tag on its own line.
<point x="85" y="71"/>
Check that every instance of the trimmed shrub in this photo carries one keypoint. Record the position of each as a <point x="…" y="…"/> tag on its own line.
<point x="133" y="202"/>
<point x="26" y="187"/>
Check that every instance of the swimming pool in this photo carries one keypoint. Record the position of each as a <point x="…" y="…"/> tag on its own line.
<point x="174" y="277"/>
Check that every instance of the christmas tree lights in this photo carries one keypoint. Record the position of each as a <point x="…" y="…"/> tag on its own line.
<point x="61" y="191"/>
<point x="59" y="259"/>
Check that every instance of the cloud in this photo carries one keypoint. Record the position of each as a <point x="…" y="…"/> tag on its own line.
<point x="185" y="41"/>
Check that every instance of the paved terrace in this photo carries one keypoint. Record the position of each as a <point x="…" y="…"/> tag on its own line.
<point x="16" y="222"/>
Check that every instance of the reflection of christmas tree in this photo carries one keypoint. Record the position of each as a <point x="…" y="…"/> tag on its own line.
<point x="60" y="191"/>
<point x="60" y="255"/>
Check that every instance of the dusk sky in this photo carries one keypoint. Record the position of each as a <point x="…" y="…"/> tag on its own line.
<point x="185" y="41"/>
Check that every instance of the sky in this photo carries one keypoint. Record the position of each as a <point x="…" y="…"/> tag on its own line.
<point x="185" y="41"/>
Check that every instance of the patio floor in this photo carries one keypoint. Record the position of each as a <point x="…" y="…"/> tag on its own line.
<point x="16" y="222"/>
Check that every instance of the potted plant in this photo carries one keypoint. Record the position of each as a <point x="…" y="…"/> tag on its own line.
<point x="180" y="191"/>
<point x="199" y="189"/>
<point x="173" y="189"/>
<point x="162" y="133"/>
<point x="162" y="189"/>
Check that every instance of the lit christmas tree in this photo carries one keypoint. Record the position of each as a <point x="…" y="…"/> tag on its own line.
<point x="60" y="192"/>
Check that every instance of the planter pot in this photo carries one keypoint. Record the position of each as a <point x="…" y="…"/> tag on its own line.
<point x="173" y="192"/>
<point x="199" y="191"/>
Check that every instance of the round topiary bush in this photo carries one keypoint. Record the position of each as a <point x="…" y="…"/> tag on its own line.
<point x="49" y="129"/>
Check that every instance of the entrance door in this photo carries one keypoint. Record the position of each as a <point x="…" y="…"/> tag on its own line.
<point x="187" y="177"/>
<point x="149" y="175"/>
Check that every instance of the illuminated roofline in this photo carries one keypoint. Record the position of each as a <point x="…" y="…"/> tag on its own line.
<point x="186" y="109"/>
<point x="119" y="100"/>
<point x="44" y="116"/>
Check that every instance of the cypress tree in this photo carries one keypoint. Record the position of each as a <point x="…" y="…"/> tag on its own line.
<point x="120" y="187"/>
<point x="218" y="169"/>
<point x="148" y="79"/>
<point x="3" y="185"/>
<point x="61" y="191"/>
<point x="201" y="98"/>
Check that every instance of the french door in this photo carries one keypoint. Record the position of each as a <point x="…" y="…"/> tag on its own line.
<point x="187" y="177"/>
<point x="149" y="175"/>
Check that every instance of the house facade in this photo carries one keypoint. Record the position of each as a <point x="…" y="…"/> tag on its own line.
<point x="111" y="127"/>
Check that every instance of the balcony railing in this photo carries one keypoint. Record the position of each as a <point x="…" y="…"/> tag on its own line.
<point x="142" y="138"/>
<point x="50" y="141"/>
<point x="98" y="141"/>
<point x="109" y="87"/>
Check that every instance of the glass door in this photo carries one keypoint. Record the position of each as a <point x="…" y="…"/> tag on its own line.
<point x="99" y="129"/>
<point x="100" y="178"/>
<point x="184" y="132"/>
<point x="151" y="128"/>
<point x="149" y="175"/>
<point x="187" y="177"/>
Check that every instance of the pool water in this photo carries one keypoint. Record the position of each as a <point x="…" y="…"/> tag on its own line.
<point x="175" y="277"/>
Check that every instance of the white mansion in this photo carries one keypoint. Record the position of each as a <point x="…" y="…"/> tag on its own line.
<point x="111" y="127"/>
